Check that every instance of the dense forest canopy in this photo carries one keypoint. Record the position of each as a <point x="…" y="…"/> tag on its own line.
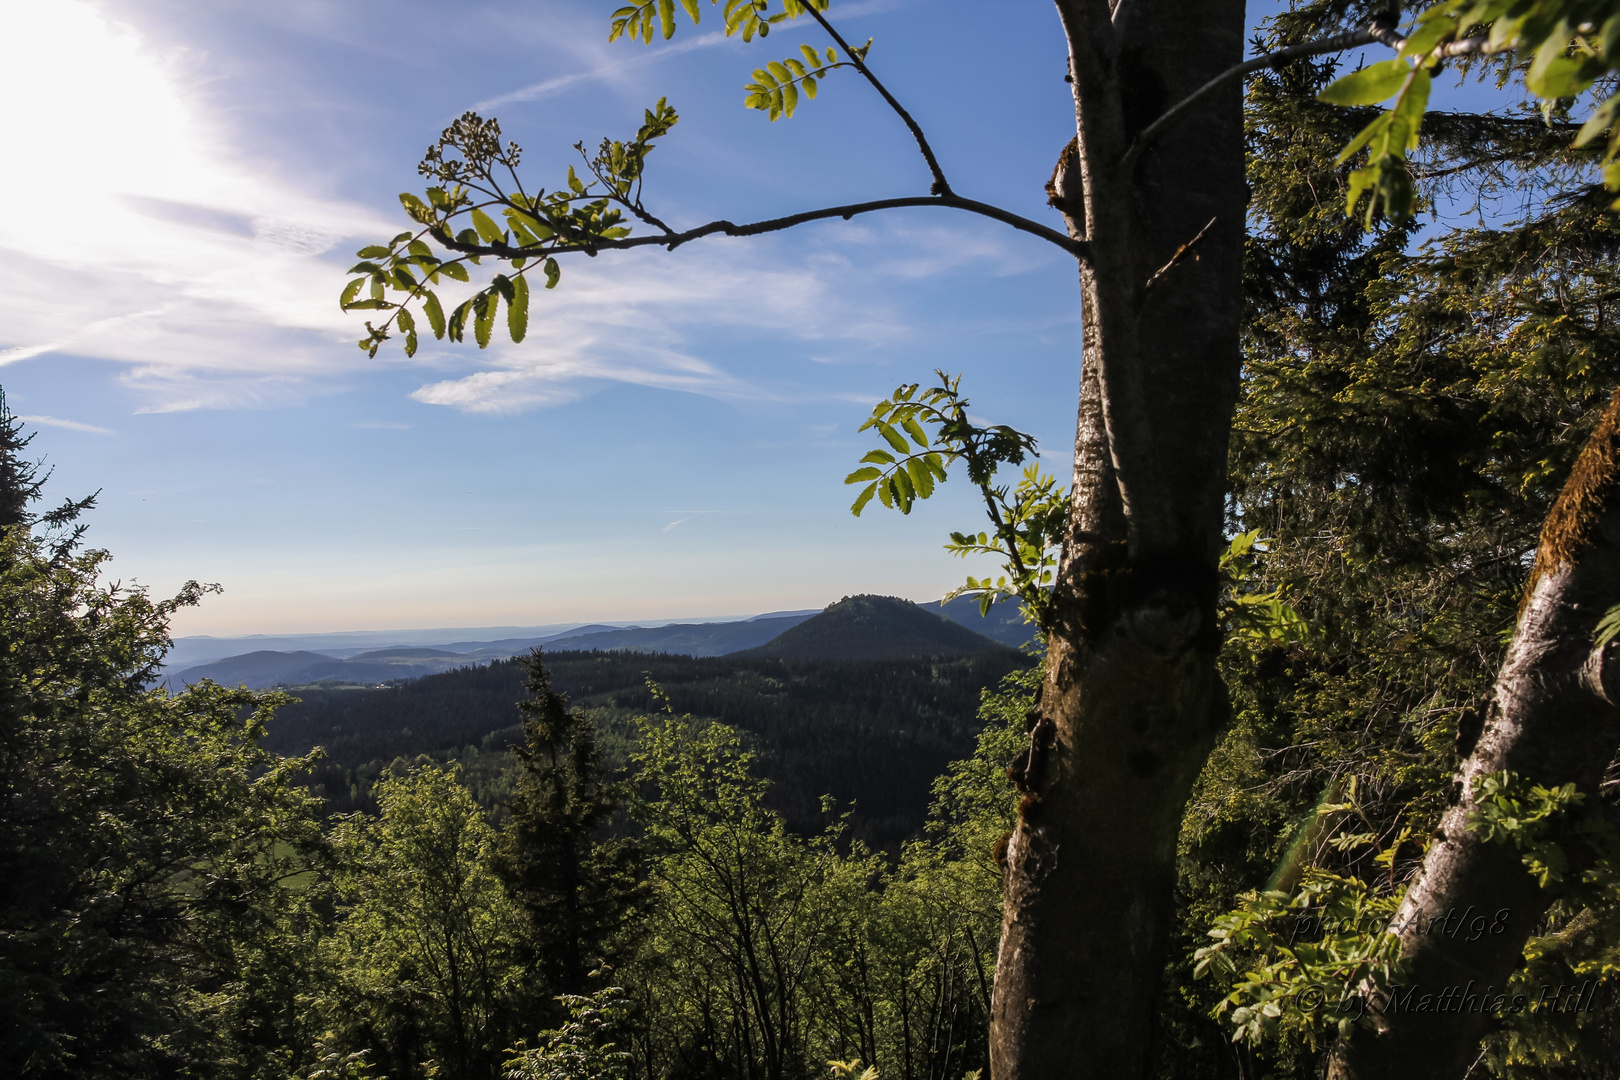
<point x="628" y="894"/>
<point x="872" y="734"/>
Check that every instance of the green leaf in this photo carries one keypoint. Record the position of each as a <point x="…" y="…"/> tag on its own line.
<point x="408" y="324"/>
<point x="879" y="457"/>
<point x="1600" y="121"/>
<point x="487" y="229"/>
<point x="374" y="251"/>
<point x="350" y="291"/>
<point x="415" y="207"/>
<point x="894" y="438"/>
<point x="553" y="273"/>
<point x="458" y="320"/>
<point x="517" y="309"/>
<point x="863" y="498"/>
<point x="905" y="494"/>
<point x="1430" y="32"/>
<point x="692" y="9"/>
<point x="484" y="321"/>
<point x="1380" y="124"/>
<point x="859" y="475"/>
<point x="1369" y="86"/>
<point x="666" y="18"/>
<point x="922" y="480"/>
<point x="1414" y="103"/>
<point x="915" y="430"/>
<point x="435" y="314"/>
<point x="454" y="270"/>
<point x="1608" y="627"/>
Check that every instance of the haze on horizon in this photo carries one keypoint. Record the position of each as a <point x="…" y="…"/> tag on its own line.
<point x="670" y="440"/>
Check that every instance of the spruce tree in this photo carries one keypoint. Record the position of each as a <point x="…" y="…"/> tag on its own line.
<point x="575" y="886"/>
<point x="22" y="482"/>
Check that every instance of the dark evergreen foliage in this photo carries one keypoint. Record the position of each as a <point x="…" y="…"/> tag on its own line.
<point x="146" y="929"/>
<point x="874" y="733"/>
<point x="574" y="885"/>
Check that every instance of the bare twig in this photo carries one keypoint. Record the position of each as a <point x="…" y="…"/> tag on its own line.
<point x="940" y="186"/>
<point x="1180" y="251"/>
<point x="1078" y="248"/>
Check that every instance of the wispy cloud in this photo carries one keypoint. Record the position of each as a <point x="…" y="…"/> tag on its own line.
<point x="141" y="236"/>
<point x="151" y="243"/>
<point x="607" y="69"/>
<point x="71" y="425"/>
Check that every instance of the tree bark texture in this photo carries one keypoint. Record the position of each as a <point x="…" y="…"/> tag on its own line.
<point x="1132" y="703"/>
<point x="1554" y="720"/>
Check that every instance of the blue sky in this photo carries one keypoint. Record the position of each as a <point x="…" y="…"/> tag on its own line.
<point x="671" y="438"/>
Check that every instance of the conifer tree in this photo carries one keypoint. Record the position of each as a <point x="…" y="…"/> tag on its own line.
<point x="574" y="886"/>
<point x="21" y="485"/>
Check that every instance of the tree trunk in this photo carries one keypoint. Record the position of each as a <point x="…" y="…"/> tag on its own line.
<point x="1554" y="721"/>
<point x="1132" y="702"/>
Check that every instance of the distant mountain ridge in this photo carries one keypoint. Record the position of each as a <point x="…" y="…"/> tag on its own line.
<point x="911" y="629"/>
<point x="869" y="627"/>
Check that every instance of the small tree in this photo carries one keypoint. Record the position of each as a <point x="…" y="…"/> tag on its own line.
<point x="574" y="886"/>
<point x="428" y="939"/>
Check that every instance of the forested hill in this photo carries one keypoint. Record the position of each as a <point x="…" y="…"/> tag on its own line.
<point x="871" y="628"/>
<point x="872" y="732"/>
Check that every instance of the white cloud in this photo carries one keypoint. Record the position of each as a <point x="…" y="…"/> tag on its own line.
<point x="634" y="317"/>
<point x="71" y="425"/>
<point x="137" y="234"/>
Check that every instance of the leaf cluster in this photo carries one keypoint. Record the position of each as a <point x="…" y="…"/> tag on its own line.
<point x="1306" y="987"/>
<point x="478" y="178"/>
<point x="745" y="17"/>
<point x="926" y="431"/>
<point x="1565" y="48"/>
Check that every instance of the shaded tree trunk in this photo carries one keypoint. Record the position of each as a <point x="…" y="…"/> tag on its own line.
<point x="1132" y="703"/>
<point x="1554" y="721"/>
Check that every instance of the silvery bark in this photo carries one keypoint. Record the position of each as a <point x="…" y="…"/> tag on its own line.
<point x="1554" y="721"/>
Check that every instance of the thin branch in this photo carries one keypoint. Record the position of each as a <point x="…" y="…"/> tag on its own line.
<point x="1337" y="43"/>
<point x="940" y="186"/>
<point x="1374" y="34"/>
<point x="1079" y="249"/>
<point x="1180" y="251"/>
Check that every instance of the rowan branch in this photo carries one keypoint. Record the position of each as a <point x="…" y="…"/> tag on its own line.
<point x="1078" y="248"/>
<point x="1375" y="34"/>
<point x="940" y="186"/>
